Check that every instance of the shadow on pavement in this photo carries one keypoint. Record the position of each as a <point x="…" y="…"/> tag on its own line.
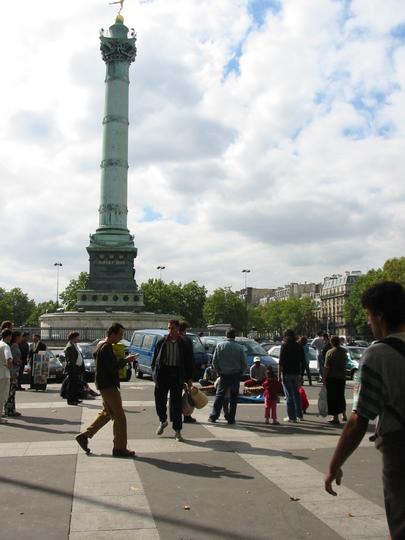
<point x="194" y="469"/>
<point x="110" y="506"/>
<point x="38" y="428"/>
<point x="44" y="420"/>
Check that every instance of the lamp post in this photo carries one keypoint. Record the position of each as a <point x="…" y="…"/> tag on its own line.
<point x="160" y="268"/>
<point x="246" y="271"/>
<point x="58" y="266"/>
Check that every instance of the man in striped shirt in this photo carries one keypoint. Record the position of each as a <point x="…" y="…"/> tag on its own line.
<point x="380" y="392"/>
<point x="172" y="366"/>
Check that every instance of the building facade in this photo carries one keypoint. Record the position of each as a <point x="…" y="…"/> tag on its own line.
<point x="334" y="292"/>
<point x="293" y="290"/>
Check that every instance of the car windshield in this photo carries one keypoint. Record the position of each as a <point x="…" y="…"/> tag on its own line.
<point x="87" y="351"/>
<point x="197" y="345"/>
<point x="356" y="352"/>
<point x="252" y="347"/>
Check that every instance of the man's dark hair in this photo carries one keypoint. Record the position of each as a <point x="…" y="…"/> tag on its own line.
<point x="387" y="299"/>
<point x="6" y="332"/>
<point x="175" y="322"/>
<point x="231" y="334"/>
<point x="335" y="340"/>
<point x="183" y="325"/>
<point x="326" y="336"/>
<point x="37" y="335"/>
<point x="289" y="335"/>
<point x="14" y="335"/>
<point x="6" y="324"/>
<point x="73" y="335"/>
<point x="115" y="328"/>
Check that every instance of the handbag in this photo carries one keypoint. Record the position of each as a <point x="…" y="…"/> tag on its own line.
<point x="323" y="402"/>
<point x="187" y="405"/>
<point x="199" y="399"/>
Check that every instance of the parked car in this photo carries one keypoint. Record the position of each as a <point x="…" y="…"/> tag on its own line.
<point x="55" y="370"/>
<point x="89" y="362"/>
<point x="144" y="342"/>
<point x="355" y="354"/>
<point x="251" y="347"/>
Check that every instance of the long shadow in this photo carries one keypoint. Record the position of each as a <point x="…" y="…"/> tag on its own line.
<point x="181" y="524"/>
<point x="46" y="420"/>
<point x="241" y="447"/>
<point x="41" y="429"/>
<point x="194" y="469"/>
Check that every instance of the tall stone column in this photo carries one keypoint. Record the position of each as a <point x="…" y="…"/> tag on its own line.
<point x="112" y="251"/>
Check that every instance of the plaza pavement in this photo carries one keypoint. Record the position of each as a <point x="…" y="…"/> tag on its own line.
<point x="247" y="481"/>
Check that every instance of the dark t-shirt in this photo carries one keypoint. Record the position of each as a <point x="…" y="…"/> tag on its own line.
<point x="292" y="358"/>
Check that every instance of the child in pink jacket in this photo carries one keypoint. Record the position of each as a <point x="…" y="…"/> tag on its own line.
<point x="272" y="387"/>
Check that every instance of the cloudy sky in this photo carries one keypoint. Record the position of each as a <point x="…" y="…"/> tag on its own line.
<point x="264" y="134"/>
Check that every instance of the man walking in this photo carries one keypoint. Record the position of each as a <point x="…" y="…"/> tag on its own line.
<point x="188" y="419"/>
<point x="25" y="349"/>
<point x="6" y="360"/>
<point x="318" y="344"/>
<point x="108" y="383"/>
<point x="380" y="392"/>
<point x="172" y="366"/>
<point x="230" y="363"/>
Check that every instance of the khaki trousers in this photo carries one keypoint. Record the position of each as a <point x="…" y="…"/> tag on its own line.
<point x="4" y="391"/>
<point x="112" y="410"/>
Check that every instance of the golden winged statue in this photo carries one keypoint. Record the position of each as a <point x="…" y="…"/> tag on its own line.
<point x="121" y="2"/>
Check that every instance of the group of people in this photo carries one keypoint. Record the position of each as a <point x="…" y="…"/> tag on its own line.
<point x="15" y="354"/>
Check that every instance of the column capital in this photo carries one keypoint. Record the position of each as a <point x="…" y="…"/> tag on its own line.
<point x="118" y="49"/>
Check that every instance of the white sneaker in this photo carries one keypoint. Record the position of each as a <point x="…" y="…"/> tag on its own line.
<point x="299" y="419"/>
<point x="178" y="437"/>
<point x="288" y="419"/>
<point x="161" y="427"/>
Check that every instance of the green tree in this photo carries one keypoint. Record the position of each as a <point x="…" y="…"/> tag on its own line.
<point x="192" y="300"/>
<point x="69" y="295"/>
<point x="186" y="301"/>
<point x="162" y="297"/>
<point x="41" y="308"/>
<point x="294" y="313"/>
<point x="225" y="306"/>
<point x="256" y="319"/>
<point x="354" y="313"/>
<point x="394" y="270"/>
<point x="273" y="316"/>
<point x="15" y="306"/>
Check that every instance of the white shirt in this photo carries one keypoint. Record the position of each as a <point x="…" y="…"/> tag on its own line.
<point x="79" y="359"/>
<point x="5" y="355"/>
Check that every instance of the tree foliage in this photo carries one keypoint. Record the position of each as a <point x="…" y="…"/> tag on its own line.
<point x="294" y="313"/>
<point x="186" y="300"/>
<point x="225" y="306"/>
<point x="41" y="308"/>
<point x="69" y="295"/>
<point x="356" y="316"/>
<point x="15" y="306"/>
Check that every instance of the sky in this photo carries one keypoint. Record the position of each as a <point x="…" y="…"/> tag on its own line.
<point x="266" y="135"/>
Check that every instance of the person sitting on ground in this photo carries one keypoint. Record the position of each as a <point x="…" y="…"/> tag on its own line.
<point x="272" y="388"/>
<point x="257" y="373"/>
<point x="209" y="377"/>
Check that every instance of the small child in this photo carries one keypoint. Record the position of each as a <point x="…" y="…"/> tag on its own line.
<point x="272" y="387"/>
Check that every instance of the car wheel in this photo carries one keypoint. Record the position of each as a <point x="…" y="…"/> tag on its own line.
<point x="353" y="373"/>
<point x="138" y="373"/>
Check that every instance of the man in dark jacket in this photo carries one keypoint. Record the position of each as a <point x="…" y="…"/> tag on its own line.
<point x="291" y="368"/>
<point x="25" y="349"/>
<point x="108" y="383"/>
<point x="74" y="369"/>
<point x="172" y="366"/>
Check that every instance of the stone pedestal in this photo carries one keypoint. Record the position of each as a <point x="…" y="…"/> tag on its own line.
<point x="99" y="321"/>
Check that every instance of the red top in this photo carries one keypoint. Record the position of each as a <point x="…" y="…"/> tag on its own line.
<point x="272" y="387"/>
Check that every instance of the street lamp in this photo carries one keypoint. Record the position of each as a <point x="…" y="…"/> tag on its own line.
<point x="160" y="268"/>
<point x="58" y="266"/>
<point x="246" y="271"/>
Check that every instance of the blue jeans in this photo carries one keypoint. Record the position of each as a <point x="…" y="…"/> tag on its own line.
<point x="291" y="384"/>
<point x="228" y="382"/>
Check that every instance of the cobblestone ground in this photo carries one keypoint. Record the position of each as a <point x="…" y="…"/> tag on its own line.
<point x="247" y="481"/>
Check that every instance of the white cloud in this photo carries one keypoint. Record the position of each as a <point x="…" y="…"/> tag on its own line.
<point x="290" y="165"/>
